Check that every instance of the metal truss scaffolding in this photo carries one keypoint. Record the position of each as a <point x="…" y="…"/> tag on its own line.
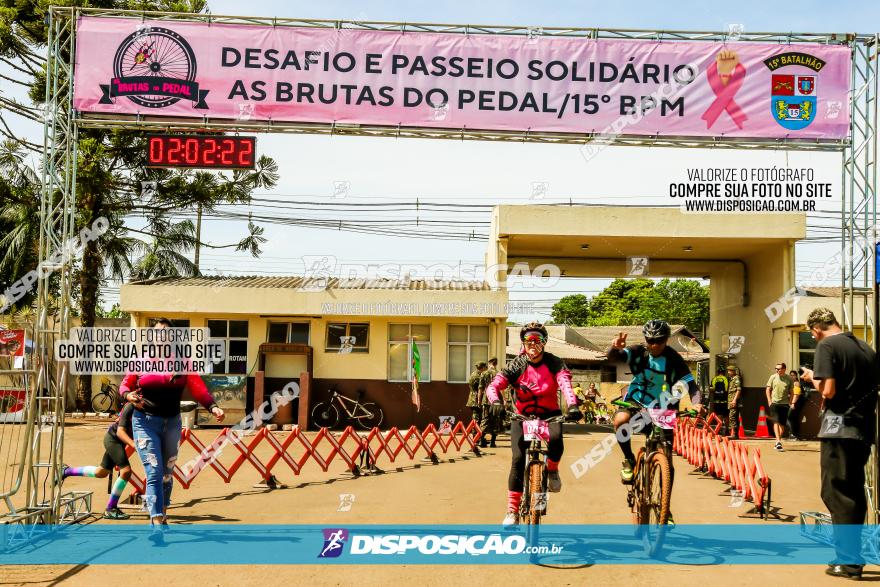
<point x="859" y="175"/>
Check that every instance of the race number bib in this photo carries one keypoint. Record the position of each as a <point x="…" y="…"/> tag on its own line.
<point x="536" y="430"/>
<point x="664" y="418"/>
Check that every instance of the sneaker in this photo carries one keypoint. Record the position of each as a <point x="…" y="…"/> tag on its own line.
<point x="115" y="514"/>
<point x="492" y="444"/>
<point x="511" y="519"/>
<point x="847" y="571"/>
<point x="58" y="481"/>
<point x="626" y="473"/>
<point x="554" y="483"/>
<point x="670" y="522"/>
<point x="779" y="447"/>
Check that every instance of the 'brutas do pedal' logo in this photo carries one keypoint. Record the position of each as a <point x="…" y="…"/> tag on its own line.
<point x="793" y="92"/>
<point x="334" y="540"/>
<point x="154" y="67"/>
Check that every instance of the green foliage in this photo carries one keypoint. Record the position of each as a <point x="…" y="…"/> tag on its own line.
<point x="635" y="301"/>
<point x="110" y="173"/>
<point x="114" y="312"/>
<point x="573" y="310"/>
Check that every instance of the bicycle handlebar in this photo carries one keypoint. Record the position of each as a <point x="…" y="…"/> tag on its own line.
<point x="626" y="404"/>
<point x="551" y="420"/>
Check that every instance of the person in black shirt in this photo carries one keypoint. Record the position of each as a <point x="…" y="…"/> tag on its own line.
<point x="118" y="436"/>
<point x="846" y="374"/>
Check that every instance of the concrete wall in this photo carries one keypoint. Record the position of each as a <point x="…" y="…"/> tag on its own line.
<point x="352" y="371"/>
<point x="332" y="364"/>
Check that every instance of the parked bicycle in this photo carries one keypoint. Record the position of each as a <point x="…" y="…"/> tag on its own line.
<point x="329" y="414"/>
<point x="106" y="400"/>
<point x="650" y="493"/>
<point x="534" y="501"/>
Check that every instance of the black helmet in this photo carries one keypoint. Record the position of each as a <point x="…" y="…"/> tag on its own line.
<point x="533" y="327"/>
<point x="656" y="329"/>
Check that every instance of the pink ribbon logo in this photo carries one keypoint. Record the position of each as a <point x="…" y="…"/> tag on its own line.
<point x="724" y="96"/>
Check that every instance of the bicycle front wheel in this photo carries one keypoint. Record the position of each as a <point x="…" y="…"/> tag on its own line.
<point x="658" y="499"/>
<point x="370" y="416"/>
<point x="537" y="496"/>
<point x="102" y="402"/>
<point x="325" y="415"/>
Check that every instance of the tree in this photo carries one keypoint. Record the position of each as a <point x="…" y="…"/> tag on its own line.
<point x="573" y="310"/>
<point x="680" y="301"/>
<point x="114" y="312"/>
<point x="19" y="214"/>
<point x="165" y="256"/>
<point x="617" y="303"/>
<point x="635" y="301"/>
<point x="110" y="173"/>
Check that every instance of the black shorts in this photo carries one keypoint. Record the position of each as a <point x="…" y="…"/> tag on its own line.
<point x="114" y="454"/>
<point x="779" y="413"/>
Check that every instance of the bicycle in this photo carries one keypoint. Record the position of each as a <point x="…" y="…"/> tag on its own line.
<point x="106" y="400"/>
<point x="650" y="491"/>
<point x="366" y="415"/>
<point x="533" y="505"/>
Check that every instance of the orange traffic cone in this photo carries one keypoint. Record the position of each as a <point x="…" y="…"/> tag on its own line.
<point x="762" y="431"/>
<point x="741" y="434"/>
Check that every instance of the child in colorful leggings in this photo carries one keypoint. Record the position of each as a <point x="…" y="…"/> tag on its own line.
<point x="118" y="436"/>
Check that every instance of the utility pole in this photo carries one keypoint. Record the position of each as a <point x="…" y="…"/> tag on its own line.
<point x="198" y="235"/>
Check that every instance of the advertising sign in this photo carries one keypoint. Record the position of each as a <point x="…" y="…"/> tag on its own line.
<point x="12" y="346"/>
<point x="453" y="81"/>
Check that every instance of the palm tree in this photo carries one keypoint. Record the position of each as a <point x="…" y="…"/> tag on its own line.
<point x="165" y="256"/>
<point x="19" y="214"/>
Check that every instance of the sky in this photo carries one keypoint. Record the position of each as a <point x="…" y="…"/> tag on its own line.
<point x="383" y="169"/>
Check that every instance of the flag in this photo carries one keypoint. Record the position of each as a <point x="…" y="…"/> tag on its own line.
<point x="416" y="362"/>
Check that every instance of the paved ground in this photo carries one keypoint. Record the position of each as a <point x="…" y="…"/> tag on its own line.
<point x="461" y="489"/>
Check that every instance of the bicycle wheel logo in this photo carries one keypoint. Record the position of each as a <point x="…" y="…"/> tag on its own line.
<point x="154" y="67"/>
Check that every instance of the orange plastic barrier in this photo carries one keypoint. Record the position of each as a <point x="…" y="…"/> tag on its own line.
<point x="373" y="445"/>
<point x="724" y="459"/>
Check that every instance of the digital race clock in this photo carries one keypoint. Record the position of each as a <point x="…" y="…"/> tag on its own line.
<point x="212" y="151"/>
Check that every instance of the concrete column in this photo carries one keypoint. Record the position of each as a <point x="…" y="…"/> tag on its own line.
<point x="259" y="392"/>
<point x="305" y="381"/>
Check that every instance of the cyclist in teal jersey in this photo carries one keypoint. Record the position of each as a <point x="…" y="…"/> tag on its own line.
<point x="655" y="367"/>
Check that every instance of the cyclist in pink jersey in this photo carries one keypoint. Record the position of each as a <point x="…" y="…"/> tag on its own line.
<point x="535" y="377"/>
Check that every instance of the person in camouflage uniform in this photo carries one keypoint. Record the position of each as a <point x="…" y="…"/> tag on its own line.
<point x="476" y="393"/>
<point x="734" y="400"/>
<point x="488" y="423"/>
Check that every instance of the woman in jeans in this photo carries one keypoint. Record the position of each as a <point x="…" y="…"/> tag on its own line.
<point x="156" y="426"/>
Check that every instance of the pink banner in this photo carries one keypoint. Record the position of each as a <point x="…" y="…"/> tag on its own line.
<point x="262" y="73"/>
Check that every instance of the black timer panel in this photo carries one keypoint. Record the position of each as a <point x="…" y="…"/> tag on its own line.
<point x="215" y="152"/>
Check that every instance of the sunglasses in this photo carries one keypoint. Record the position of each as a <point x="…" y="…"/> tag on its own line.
<point x="655" y="340"/>
<point x="534" y="339"/>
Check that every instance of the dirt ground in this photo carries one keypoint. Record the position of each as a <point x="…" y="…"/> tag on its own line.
<point x="463" y="488"/>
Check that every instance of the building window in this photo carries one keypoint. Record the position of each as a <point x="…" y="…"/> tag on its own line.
<point x="175" y="322"/>
<point x="288" y="332"/>
<point x="348" y="337"/>
<point x="234" y="334"/>
<point x="467" y="345"/>
<point x="806" y="350"/>
<point x="400" y="337"/>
